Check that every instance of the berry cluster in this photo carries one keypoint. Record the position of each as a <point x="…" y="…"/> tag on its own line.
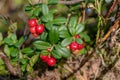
<point x="35" y="29"/>
<point x="51" y="61"/>
<point x="75" y="46"/>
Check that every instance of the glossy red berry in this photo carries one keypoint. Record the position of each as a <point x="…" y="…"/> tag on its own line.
<point x="40" y="28"/>
<point x="81" y="46"/>
<point x="44" y="58"/>
<point x="77" y="36"/>
<point x="32" y="22"/>
<point x="51" y="61"/>
<point x="74" y="46"/>
<point x="32" y="29"/>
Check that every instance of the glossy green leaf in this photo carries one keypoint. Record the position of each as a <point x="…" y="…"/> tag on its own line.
<point x="80" y="28"/>
<point x="63" y="51"/>
<point x="44" y="52"/>
<point x="72" y="31"/>
<point x="19" y="42"/>
<point x="43" y="36"/>
<point x="52" y="1"/>
<point x="23" y="67"/>
<point x="85" y="37"/>
<point x="47" y="17"/>
<point x="64" y="34"/>
<point x="7" y="50"/>
<point x="45" y="9"/>
<point x="63" y="27"/>
<point x="41" y="45"/>
<point x="54" y="35"/>
<point x="13" y="51"/>
<point x="27" y="50"/>
<point x="49" y="25"/>
<point x="66" y="41"/>
<point x="80" y="41"/>
<point x="73" y="22"/>
<point x="36" y="12"/>
<point x="56" y="54"/>
<point x="59" y="20"/>
<point x="28" y="8"/>
<point x="34" y="59"/>
<point x="24" y="61"/>
<point x="8" y="41"/>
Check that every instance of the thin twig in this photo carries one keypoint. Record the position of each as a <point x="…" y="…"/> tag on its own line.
<point x="111" y="9"/>
<point x="11" y="69"/>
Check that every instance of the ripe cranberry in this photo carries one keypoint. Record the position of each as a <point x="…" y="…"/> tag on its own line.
<point x="32" y="29"/>
<point x="74" y="46"/>
<point x="32" y="22"/>
<point x="35" y="35"/>
<point x="77" y="36"/>
<point x="40" y="28"/>
<point x="51" y="61"/>
<point x="44" y="58"/>
<point x="81" y="46"/>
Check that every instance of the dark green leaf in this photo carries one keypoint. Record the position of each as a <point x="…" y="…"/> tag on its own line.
<point x="19" y="42"/>
<point x="72" y="31"/>
<point x="27" y="50"/>
<point x="43" y="36"/>
<point x="13" y="51"/>
<point x="41" y="45"/>
<point x="73" y="22"/>
<point x="49" y="25"/>
<point x="47" y="17"/>
<point x="63" y="51"/>
<point x="8" y="41"/>
<point x="45" y="9"/>
<point x="66" y="41"/>
<point x="24" y="61"/>
<point x="56" y="54"/>
<point x="85" y="37"/>
<point x="33" y="60"/>
<point x="54" y="35"/>
<point x="59" y="20"/>
<point x="52" y="1"/>
<point x="79" y="28"/>
<point x="36" y="12"/>
<point x="64" y="34"/>
<point x="44" y="52"/>
<point x="28" y="8"/>
<point x="23" y="67"/>
<point x="79" y="40"/>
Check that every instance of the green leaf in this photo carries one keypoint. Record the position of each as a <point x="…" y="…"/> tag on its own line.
<point x="85" y="37"/>
<point x="33" y="60"/>
<point x="73" y="22"/>
<point x="28" y="8"/>
<point x="2" y="67"/>
<point x="29" y="68"/>
<point x="66" y="41"/>
<point x="23" y="60"/>
<point x="1" y="62"/>
<point x="64" y="34"/>
<point x="60" y="20"/>
<point x="47" y="17"/>
<point x="19" y="42"/>
<point x="36" y="12"/>
<point x="23" y="67"/>
<point x="13" y="51"/>
<point x="56" y="54"/>
<point x="52" y="1"/>
<point x="63" y="27"/>
<point x="49" y="25"/>
<point x="72" y="31"/>
<point x="80" y="28"/>
<point x="8" y="41"/>
<point x="27" y="50"/>
<point x="63" y="51"/>
<point x="43" y="36"/>
<point x="44" y="52"/>
<point x="7" y="50"/>
<point x="41" y="45"/>
<point x="53" y="35"/>
<point x="83" y="51"/>
<point x="80" y="41"/>
<point x="45" y="9"/>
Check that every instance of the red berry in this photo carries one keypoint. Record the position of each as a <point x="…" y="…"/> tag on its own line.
<point x="35" y="35"/>
<point x="77" y="36"/>
<point x="32" y="22"/>
<point x="40" y="28"/>
<point x="44" y="58"/>
<point x="51" y="61"/>
<point x="74" y="46"/>
<point x="81" y="46"/>
<point x="32" y="29"/>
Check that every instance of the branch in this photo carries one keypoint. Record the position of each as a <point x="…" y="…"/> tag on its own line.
<point x="69" y="2"/>
<point x="12" y="70"/>
<point x="111" y="9"/>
